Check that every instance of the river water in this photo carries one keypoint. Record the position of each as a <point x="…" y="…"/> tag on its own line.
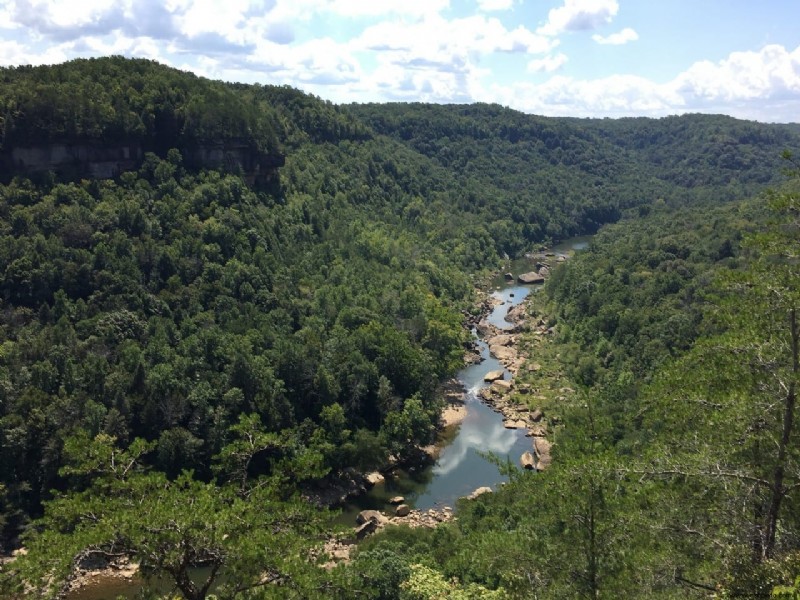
<point x="462" y="465"/>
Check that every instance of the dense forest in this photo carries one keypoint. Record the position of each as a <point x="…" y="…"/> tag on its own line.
<point x="184" y="334"/>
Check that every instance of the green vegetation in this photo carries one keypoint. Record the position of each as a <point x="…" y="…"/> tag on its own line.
<point x="175" y="336"/>
<point x="115" y="100"/>
<point x="675" y="468"/>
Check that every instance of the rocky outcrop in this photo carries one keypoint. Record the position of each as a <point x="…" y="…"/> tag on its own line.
<point x="479" y="492"/>
<point x="517" y="314"/>
<point x="336" y="489"/>
<point x="374" y="478"/>
<point x="527" y="461"/>
<point x="493" y="375"/>
<point x="542" y="447"/>
<point x="532" y="277"/>
<point x="484" y="328"/>
<point x="502" y="385"/>
<point x="101" y="160"/>
<point x="365" y="529"/>
<point x="97" y="160"/>
<point x="371" y="515"/>
<point x="234" y="156"/>
<point x="502" y="339"/>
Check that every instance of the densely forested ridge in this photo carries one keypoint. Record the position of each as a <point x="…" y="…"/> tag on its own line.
<point x="120" y="100"/>
<point x="166" y="303"/>
<point x="556" y="177"/>
<point x="174" y="332"/>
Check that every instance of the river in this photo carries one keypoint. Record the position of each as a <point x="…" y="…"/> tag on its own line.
<point x="462" y="465"/>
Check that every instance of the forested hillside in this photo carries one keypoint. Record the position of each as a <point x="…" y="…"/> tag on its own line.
<point x="554" y="178"/>
<point x="675" y="470"/>
<point x="188" y="331"/>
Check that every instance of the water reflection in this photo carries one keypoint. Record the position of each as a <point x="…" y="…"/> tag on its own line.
<point x="477" y="434"/>
<point x="509" y="297"/>
<point x="462" y="467"/>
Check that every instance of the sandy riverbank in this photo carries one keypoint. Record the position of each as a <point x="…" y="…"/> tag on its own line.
<point x="453" y="414"/>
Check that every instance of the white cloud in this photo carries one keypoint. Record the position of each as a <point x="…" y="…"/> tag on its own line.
<point x="618" y="95"/>
<point x="52" y="14"/>
<point x="579" y="15"/>
<point x="218" y="16"/>
<point x="406" y="49"/>
<point x="771" y="73"/>
<point x="763" y="85"/>
<point x="616" y="39"/>
<point x="548" y="64"/>
<point x="435" y="37"/>
<point x="489" y="5"/>
<point x="304" y="9"/>
<point x="13" y="53"/>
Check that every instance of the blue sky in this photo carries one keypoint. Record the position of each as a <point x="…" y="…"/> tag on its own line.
<point x="595" y="58"/>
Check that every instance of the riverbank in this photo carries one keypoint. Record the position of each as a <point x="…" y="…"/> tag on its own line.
<point x="531" y="397"/>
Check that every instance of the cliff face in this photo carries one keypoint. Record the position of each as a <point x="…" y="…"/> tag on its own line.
<point x="105" y="161"/>
<point x="234" y="156"/>
<point x="74" y="160"/>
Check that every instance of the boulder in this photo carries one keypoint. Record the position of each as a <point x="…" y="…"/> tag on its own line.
<point x="484" y="328"/>
<point x="509" y="277"/>
<point x="503" y="352"/>
<point x="512" y="424"/>
<point x="516" y="313"/>
<point x="533" y="367"/>
<point x="479" y="492"/>
<point x="537" y="415"/>
<point x="374" y="478"/>
<point x="542" y="449"/>
<point x="527" y="461"/>
<point x="396" y="500"/>
<point x="501" y="340"/>
<point x="402" y="510"/>
<point x="538" y="430"/>
<point x="502" y="385"/>
<point x="365" y="529"/>
<point x="493" y="375"/>
<point x="531" y="277"/>
<point x="370" y="515"/>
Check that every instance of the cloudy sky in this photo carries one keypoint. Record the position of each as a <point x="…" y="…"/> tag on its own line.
<point x="553" y="57"/>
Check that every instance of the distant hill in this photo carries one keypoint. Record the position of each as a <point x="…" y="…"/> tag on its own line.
<point x="587" y="171"/>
